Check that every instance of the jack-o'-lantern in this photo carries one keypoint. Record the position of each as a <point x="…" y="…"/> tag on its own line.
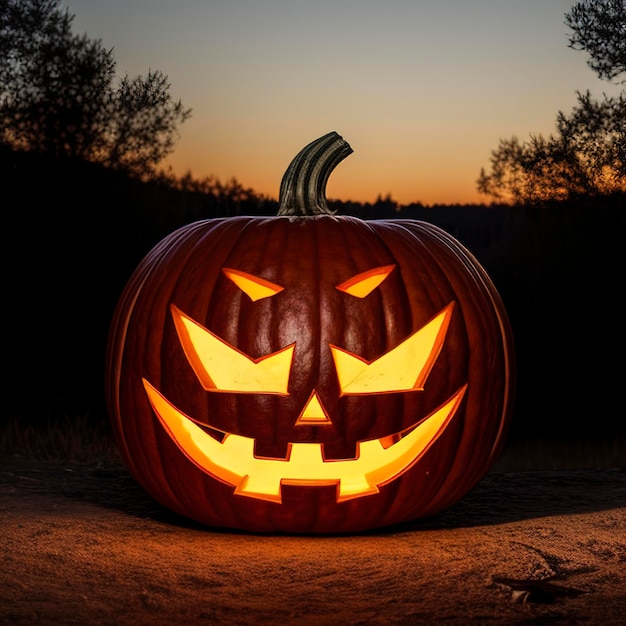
<point x="309" y="373"/>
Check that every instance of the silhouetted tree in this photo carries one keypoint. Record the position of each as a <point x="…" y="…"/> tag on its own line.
<point x="587" y="156"/>
<point x="599" y="28"/>
<point x="58" y="94"/>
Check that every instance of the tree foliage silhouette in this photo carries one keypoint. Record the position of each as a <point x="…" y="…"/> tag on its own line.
<point x="59" y="95"/>
<point x="599" y="28"/>
<point x="587" y="156"/>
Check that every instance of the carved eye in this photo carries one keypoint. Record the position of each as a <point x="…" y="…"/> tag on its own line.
<point x="363" y="284"/>
<point x="221" y="367"/>
<point x="404" y="368"/>
<point x="254" y="287"/>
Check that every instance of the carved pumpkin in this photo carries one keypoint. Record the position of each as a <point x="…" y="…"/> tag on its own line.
<point x="309" y="373"/>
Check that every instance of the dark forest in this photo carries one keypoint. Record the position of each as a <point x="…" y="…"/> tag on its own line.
<point x="75" y="231"/>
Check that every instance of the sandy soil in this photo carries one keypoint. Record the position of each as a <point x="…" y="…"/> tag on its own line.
<point x="85" y="545"/>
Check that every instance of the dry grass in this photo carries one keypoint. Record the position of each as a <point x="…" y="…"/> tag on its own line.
<point x="84" y="440"/>
<point x="73" y="440"/>
<point x="562" y="455"/>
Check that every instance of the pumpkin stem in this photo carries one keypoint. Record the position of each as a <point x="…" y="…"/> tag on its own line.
<point x="303" y="188"/>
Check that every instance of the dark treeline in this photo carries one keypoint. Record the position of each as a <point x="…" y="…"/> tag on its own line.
<point x="74" y="232"/>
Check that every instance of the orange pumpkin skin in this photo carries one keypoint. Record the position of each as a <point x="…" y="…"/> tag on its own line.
<point x="309" y="257"/>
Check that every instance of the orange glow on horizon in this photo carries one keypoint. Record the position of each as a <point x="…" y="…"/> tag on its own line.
<point x="423" y="95"/>
<point x="361" y="178"/>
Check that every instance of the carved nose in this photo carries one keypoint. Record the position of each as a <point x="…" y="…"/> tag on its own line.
<point x="313" y="412"/>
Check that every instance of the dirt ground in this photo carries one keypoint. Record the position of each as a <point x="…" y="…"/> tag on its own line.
<point x="85" y="545"/>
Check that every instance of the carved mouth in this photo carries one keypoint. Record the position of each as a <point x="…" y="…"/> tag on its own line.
<point x="232" y="460"/>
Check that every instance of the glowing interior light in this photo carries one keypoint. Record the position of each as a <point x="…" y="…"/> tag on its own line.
<point x="254" y="287"/>
<point x="221" y="367"/>
<point x="313" y="412"/>
<point x="404" y="368"/>
<point x="232" y="460"/>
<point x="363" y="284"/>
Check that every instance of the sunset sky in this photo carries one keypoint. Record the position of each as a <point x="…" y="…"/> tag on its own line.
<point x="422" y="91"/>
